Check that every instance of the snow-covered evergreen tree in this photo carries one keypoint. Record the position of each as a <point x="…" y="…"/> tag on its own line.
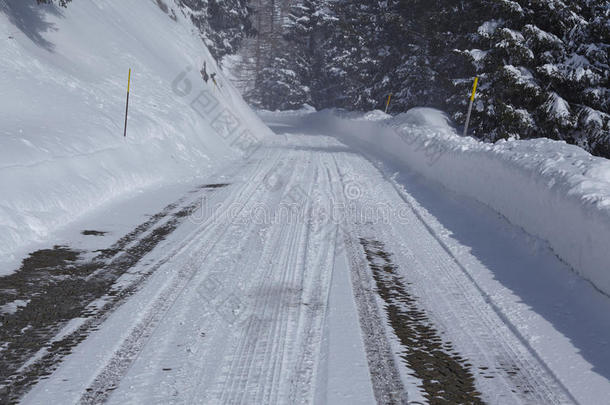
<point x="294" y="74"/>
<point x="544" y="70"/>
<point x="350" y="61"/>
<point x="281" y="88"/>
<point x="223" y="23"/>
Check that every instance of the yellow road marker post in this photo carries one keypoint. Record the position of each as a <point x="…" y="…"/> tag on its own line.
<point x="388" y="103"/>
<point x="474" y="92"/>
<point x="127" y="104"/>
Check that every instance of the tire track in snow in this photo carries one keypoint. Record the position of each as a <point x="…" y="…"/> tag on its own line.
<point x="445" y="375"/>
<point x="206" y="236"/>
<point x="256" y="367"/>
<point x="385" y="375"/>
<point x="322" y="250"/>
<point x="272" y="357"/>
<point x="220" y="339"/>
<point x="519" y="375"/>
<point x="275" y="358"/>
<point x="72" y="296"/>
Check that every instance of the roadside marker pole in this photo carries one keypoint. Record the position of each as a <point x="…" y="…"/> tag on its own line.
<point x="474" y="92"/>
<point x="127" y="105"/>
<point x="388" y="103"/>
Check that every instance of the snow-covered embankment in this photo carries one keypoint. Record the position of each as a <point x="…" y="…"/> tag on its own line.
<point x="555" y="191"/>
<point x="64" y="82"/>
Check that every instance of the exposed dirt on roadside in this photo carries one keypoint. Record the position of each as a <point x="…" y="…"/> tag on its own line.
<point x="212" y="186"/>
<point x="55" y="286"/>
<point x="446" y="376"/>
<point x="90" y="232"/>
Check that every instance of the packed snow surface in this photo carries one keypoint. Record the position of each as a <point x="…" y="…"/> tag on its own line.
<point x="247" y="305"/>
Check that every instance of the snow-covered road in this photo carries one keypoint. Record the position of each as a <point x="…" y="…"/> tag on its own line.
<point x="306" y="274"/>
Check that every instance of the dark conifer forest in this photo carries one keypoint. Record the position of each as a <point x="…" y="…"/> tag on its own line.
<point x="543" y="64"/>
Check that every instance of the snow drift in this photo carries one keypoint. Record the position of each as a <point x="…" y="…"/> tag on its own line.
<point x="64" y="81"/>
<point x="555" y="191"/>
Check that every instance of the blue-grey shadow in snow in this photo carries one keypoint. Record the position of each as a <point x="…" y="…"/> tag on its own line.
<point x="30" y="18"/>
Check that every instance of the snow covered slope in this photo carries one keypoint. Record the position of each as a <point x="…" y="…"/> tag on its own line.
<point x="555" y="191"/>
<point x="63" y="85"/>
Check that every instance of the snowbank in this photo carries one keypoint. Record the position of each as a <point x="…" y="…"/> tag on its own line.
<point x="555" y="191"/>
<point x="64" y="82"/>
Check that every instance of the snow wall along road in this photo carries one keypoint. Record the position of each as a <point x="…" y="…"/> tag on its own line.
<point x="556" y="192"/>
<point x="64" y="82"/>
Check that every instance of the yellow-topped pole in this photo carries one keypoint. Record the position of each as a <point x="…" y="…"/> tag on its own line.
<point x="388" y="103"/>
<point x="474" y="88"/>
<point x="472" y="96"/>
<point x="127" y="104"/>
